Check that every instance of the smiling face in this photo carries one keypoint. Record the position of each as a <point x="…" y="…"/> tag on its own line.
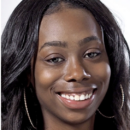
<point x="71" y="63"/>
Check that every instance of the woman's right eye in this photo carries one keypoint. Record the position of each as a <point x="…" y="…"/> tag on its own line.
<point x="55" y="60"/>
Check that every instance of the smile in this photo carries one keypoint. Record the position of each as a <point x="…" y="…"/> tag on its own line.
<point x="77" y="100"/>
<point x="77" y="97"/>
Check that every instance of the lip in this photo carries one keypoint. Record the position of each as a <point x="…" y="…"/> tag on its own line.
<point x="71" y="104"/>
<point x="72" y="89"/>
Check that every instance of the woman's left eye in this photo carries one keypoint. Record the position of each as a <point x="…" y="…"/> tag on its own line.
<point x="55" y="60"/>
<point x="92" y="55"/>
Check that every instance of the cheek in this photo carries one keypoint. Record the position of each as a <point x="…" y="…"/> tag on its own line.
<point x="101" y="72"/>
<point x="104" y="76"/>
<point x="45" y="76"/>
<point x="44" y="80"/>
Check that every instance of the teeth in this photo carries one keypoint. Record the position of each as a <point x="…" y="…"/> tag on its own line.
<point x="71" y="98"/>
<point x="67" y="96"/>
<point x="86" y="96"/>
<point x="76" y="97"/>
<point x="63" y="95"/>
<point x="89" y="95"/>
<point x="82" y="97"/>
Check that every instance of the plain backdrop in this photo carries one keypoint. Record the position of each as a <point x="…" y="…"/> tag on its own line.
<point x="120" y="9"/>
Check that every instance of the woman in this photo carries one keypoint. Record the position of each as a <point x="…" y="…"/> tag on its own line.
<point x="64" y="66"/>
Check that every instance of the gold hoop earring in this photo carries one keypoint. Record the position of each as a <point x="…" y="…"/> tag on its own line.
<point x="26" y="108"/>
<point x="122" y="94"/>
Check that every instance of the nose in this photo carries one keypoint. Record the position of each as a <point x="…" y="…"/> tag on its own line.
<point x="75" y="72"/>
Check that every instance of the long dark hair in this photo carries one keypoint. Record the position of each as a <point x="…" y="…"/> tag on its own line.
<point x="19" y="46"/>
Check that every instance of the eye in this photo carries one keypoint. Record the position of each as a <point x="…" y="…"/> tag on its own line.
<point x="55" y="60"/>
<point x="92" y="54"/>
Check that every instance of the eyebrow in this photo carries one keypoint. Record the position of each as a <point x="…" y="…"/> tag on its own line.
<point x="54" y="43"/>
<point x="65" y="45"/>
<point x="88" y="39"/>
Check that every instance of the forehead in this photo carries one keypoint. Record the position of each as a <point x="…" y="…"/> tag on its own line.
<point x="68" y="24"/>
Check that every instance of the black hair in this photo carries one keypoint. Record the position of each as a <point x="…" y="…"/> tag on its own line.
<point x="20" y="44"/>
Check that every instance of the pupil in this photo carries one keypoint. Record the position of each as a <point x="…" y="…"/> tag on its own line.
<point x="91" y="54"/>
<point x="55" y="60"/>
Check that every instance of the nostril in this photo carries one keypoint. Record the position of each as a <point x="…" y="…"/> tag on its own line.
<point x="72" y="80"/>
<point x="85" y="79"/>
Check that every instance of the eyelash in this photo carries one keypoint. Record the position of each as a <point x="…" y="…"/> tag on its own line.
<point x="89" y="55"/>
<point x="92" y="55"/>
<point x="55" y="58"/>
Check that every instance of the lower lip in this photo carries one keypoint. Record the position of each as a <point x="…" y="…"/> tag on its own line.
<point x="76" y="104"/>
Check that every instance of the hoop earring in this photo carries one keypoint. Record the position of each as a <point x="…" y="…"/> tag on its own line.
<point x="122" y="94"/>
<point x="25" y="103"/>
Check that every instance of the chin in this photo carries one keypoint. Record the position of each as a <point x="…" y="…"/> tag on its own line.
<point x="77" y="117"/>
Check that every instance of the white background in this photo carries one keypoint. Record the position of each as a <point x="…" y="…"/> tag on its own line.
<point x="120" y="9"/>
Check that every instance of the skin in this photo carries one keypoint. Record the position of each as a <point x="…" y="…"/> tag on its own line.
<point x="73" y="69"/>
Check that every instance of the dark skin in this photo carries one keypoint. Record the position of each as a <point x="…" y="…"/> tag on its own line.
<point x="71" y="57"/>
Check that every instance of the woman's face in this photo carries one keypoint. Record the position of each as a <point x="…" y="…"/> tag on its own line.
<point x="72" y="70"/>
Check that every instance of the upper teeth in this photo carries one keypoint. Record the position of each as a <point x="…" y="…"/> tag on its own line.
<point x="76" y="97"/>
